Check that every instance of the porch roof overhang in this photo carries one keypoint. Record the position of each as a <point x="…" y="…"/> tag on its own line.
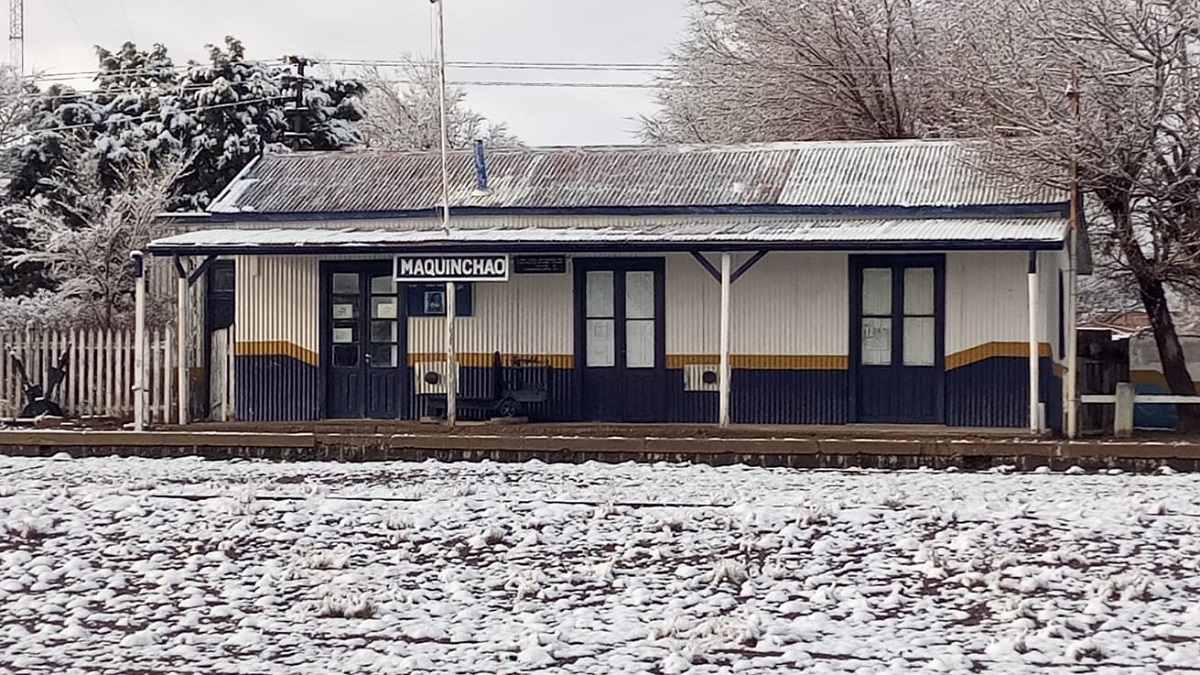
<point x="1018" y="233"/>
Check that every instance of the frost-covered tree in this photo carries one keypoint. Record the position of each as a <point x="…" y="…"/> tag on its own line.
<point x="767" y="70"/>
<point x="1136" y="136"/>
<point x="403" y="112"/>
<point x="17" y="103"/>
<point x="89" y="264"/>
<point x="222" y="112"/>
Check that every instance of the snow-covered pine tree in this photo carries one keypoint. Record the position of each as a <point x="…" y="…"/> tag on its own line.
<point x="81" y="156"/>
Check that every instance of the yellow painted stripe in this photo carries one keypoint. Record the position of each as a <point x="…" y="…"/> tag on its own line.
<point x="677" y="361"/>
<point x="993" y="350"/>
<point x="764" y="361"/>
<point x="277" y="348"/>
<point x="1152" y="377"/>
<point x="484" y="359"/>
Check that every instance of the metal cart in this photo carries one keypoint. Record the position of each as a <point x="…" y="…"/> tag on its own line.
<point x="523" y="382"/>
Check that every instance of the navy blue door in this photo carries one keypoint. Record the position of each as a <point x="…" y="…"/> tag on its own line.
<point x="897" y="338"/>
<point x="363" y="327"/>
<point x="620" y="346"/>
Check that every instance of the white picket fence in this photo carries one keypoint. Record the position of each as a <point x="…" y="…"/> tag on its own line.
<point x="100" y="373"/>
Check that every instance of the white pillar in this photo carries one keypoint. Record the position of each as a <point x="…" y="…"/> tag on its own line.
<point x="139" y="342"/>
<point x="451" y="356"/>
<point x="1072" y="324"/>
<point x="1034" y="395"/>
<point x="723" y="375"/>
<point x="181" y="344"/>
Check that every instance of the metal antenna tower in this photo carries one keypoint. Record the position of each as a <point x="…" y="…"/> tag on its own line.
<point x="16" y="34"/>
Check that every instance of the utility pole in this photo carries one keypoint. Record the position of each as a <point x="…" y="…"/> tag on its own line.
<point x="16" y="34"/>
<point x="299" y="82"/>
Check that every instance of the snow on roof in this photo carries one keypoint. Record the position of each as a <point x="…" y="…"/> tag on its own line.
<point x="777" y="233"/>
<point x="939" y="173"/>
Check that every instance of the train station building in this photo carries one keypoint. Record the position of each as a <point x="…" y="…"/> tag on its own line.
<point x="894" y="282"/>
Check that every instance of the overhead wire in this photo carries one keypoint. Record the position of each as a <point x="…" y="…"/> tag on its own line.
<point x="159" y="113"/>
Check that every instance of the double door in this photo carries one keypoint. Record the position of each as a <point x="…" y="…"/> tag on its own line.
<point x="897" y="338"/>
<point x="620" y="351"/>
<point x="364" y="338"/>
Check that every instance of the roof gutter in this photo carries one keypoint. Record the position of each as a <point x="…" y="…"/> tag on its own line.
<point x="599" y="247"/>
<point x="1055" y="209"/>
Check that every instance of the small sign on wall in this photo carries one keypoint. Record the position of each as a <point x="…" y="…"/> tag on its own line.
<point x="434" y="268"/>
<point x="540" y="264"/>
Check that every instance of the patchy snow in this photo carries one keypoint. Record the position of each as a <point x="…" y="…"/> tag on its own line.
<point x="127" y="565"/>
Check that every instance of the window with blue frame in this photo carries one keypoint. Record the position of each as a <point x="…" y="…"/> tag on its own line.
<point x="430" y="299"/>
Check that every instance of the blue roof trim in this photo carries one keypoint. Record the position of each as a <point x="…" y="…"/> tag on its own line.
<point x="977" y="211"/>
<point x="604" y="247"/>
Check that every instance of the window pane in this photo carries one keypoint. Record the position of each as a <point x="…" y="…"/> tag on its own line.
<point x="918" y="291"/>
<point x="383" y="308"/>
<point x="345" y="283"/>
<point x="383" y="356"/>
<point x="877" y="292"/>
<point x="639" y="295"/>
<point x="343" y="334"/>
<point x="600" y="294"/>
<point x="601" y="347"/>
<point x="344" y="308"/>
<point x="639" y="344"/>
<point x="385" y="285"/>
<point x="222" y="279"/>
<point x="876" y="342"/>
<point x="383" y="331"/>
<point x="918" y="341"/>
<point x="345" y="355"/>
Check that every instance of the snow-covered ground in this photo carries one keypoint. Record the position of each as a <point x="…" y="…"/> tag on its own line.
<point x="482" y="568"/>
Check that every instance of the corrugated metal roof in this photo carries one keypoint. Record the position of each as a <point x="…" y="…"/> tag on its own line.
<point x="788" y="232"/>
<point x="822" y="174"/>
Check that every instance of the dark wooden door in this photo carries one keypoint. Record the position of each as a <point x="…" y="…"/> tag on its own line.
<point x="365" y="342"/>
<point x="620" y="351"/>
<point x="897" y="338"/>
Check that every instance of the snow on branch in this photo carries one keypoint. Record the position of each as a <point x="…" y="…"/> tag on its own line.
<point x="82" y="237"/>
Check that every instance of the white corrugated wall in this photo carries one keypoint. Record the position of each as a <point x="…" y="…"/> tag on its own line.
<point x="277" y="300"/>
<point x="530" y="315"/>
<point x="986" y="299"/>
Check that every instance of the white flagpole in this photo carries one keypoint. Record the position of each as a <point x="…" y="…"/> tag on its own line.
<point x="449" y="304"/>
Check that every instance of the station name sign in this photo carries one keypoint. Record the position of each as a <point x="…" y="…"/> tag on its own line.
<point x="431" y="268"/>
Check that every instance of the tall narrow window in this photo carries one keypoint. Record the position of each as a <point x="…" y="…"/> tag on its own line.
<point x="344" y="311"/>
<point x="877" y="317"/>
<point x="639" y="319"/>
<point x="601" y="320"/>
<point x="919" y="323"/>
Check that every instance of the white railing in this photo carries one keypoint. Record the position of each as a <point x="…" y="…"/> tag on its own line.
<point x="1124" y="401"/>
<point x="99" y="380"/>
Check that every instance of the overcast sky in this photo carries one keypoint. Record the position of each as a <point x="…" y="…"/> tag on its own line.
<point x="60" y="35"/>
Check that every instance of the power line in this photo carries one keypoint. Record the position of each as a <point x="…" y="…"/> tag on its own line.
<point x="159" y="113"/>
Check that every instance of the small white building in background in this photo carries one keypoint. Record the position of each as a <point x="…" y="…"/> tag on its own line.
<point x="871" y="282"/>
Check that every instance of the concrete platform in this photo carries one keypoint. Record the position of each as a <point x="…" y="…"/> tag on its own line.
<point x="810" y="447"/>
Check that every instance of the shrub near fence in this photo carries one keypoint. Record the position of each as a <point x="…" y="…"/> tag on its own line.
<point x="100" y="372"/>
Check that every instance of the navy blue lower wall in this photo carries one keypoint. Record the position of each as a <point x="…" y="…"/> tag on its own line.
<point x="789" y="396"/>
<point x="758" y="396"/>
<point x="276" y="388"/>
<point x="989" y="393"/>
<point x="994" y="392"/>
